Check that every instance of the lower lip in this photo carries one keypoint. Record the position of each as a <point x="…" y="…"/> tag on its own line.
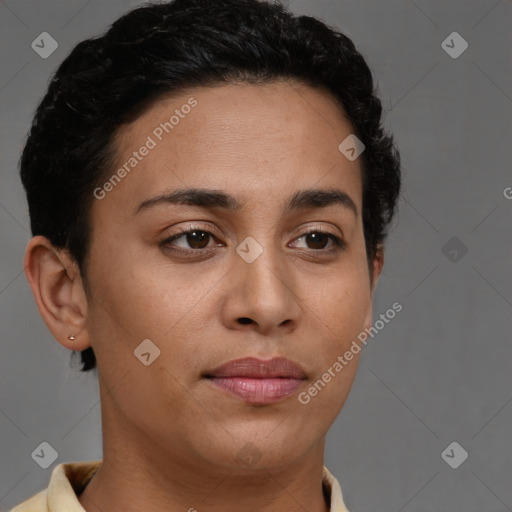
<point x="258" y="391"/>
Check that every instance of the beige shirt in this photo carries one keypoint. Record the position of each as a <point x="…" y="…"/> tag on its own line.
<point x="69" y="480"/>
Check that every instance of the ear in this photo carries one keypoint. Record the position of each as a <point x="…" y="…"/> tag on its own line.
<point x="58" y="291"/>
<point x="375" y="269"/>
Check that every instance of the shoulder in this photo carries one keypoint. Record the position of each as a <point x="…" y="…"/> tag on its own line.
<point x="66" y="482"/>
<point x="37" y="503"/>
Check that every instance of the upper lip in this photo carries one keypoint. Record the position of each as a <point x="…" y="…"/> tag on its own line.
<point x="252" y="367"/>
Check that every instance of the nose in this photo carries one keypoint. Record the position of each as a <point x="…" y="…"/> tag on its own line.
<point x="261" y="295"/>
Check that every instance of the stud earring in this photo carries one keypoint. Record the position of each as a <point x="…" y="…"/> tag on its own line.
<point x="72" y="338"/>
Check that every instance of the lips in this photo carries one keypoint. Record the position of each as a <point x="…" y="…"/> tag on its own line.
<point x="251" y="367"/>
<point x="258" y="381"/>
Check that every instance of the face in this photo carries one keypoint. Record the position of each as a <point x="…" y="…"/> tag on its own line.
<point x="256" y="276"/>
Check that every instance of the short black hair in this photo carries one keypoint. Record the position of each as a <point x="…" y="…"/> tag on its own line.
<point x="161" y="49"/>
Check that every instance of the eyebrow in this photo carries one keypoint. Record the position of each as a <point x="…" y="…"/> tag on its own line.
<point x="207" y="198"/>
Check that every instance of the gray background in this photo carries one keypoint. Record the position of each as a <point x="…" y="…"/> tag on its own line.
<point x="438" y="372"/>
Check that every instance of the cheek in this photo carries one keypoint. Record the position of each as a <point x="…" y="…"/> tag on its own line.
<point x="136" y="299"/>
<point x="341" y="309"/>
<point x="341" y="323"/>
<point x="124" y="308"/>
<point x="133" y="294"/>
<point x="134" y="303"/>
<point x="344" y="299"/>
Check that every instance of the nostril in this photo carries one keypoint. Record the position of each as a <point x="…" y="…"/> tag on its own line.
<point x="245" y="320"/>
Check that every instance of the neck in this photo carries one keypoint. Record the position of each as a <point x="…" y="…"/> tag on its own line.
<point x="138" y="475"/>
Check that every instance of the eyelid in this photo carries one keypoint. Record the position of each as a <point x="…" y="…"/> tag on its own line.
<point x="338" y="240"/>
<point x="191" y="227"/>
<point x="317" y="227"/>
<point x="188" y="229"/>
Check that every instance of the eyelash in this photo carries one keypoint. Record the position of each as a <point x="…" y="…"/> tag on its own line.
<point x="339" y="243"/>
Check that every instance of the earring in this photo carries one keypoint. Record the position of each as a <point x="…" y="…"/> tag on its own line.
<point x="72" y="338"/>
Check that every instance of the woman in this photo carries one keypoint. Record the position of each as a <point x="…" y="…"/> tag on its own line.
<point x="209" y="187"/>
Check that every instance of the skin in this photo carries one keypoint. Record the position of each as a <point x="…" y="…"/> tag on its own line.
<point x="171" y="438"/>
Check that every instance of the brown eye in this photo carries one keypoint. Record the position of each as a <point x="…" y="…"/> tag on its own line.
<point x="317" y="240"/>
<point x="197" y="239"/>
<point x="190" y="240"/>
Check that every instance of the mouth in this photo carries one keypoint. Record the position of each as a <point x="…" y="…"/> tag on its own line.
<point x="258" y="381"/>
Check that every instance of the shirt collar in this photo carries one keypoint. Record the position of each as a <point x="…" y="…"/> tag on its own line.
<point x="69" y="479"/>
<point x="333" y="488"/>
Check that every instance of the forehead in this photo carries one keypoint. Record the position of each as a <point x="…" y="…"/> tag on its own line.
<point x="254" y="140"/>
